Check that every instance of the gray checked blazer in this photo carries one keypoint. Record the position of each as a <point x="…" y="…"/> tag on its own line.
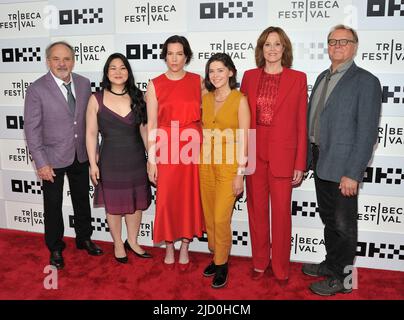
<point x="52" y="132"/>
<point x="348" y="125"/>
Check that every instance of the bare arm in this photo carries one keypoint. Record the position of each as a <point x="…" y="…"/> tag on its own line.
<point x="143" y="133"/>
<point x="203" y="88"/>
<point x="92" y="137"/>
<point x="244" y="118"/>
<point x="152" y="109"/>
<point x="242" y="148"/>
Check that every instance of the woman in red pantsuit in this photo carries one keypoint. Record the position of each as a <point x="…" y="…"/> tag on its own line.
<point x="277" y="96"/>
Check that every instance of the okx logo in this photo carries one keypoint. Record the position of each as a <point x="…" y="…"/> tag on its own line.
<point x="311" y="50"/>
<point x="383" y="8"/>
<point x="97" y="224"/>
<point x="15" y="122"/>
<point x="393" y="94"/>
<point x="144" y="51"/>
<point x="31" y="54"/>
<point x="384" y="176"/>
<point x="240" y="238"/>
<point x="81" y="16"/>
<point x="24" y="186"/>
<point x="380" y="250"/>
<point x="229" y="10"/>
<point x="305" y="209"/>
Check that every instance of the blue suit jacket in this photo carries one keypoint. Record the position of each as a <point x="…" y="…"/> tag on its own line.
<point x="348" y="125"/>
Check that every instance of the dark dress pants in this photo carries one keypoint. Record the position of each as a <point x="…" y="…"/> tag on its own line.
<point x="78" y="178"/>
<point x="339" y="215"/>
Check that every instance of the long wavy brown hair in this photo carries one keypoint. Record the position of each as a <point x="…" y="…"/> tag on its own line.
<point x="287" y="56"/>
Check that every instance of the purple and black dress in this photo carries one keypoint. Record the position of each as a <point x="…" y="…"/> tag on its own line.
<point x="124" y="186"/>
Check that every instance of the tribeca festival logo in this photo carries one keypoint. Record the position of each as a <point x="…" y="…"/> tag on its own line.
<point x="229" y="10"/>
<point x="17" y="89"/>
<point x="81" y="16"/>
<point x="25" y="186"/>
<point x="389" y="135"/>
<point x="21" y="20"/>
<point x="85" y="52"/>
<point x="240" y="203"/>
<point x="306" y="243"/>
<point x="389" y="51"/>
<point x="385" y="8"/>
<point x="20" y="155"/>
<point x="144" y="51"/>
<point x="29" y="216"/>
<point x="150" y="13"/>
<point x="32" y="54"/>
<point x="236" y="50"/>
<point x="381" y="214"/>
<point x="308" y="10"/>
<point x="311" y="50"/>
<point x="380" y="175"/>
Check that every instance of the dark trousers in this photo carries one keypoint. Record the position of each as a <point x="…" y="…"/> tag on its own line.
<point x="339" y="215"/>
<point x="77" y="174"/>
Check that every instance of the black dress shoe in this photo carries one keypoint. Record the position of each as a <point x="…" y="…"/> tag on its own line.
<point x="140" y="255"/>
<point x="56" y="259"/>
<point x="122" y="260"/>
<point x="90" y="247"/>
<point x="220" y="278"/>
<point x="210" y="270"/>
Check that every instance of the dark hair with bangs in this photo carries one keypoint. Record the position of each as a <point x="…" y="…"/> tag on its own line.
<point x="228" y="63"/>
<point x="138" y="104"/>
<point x="185" y="45"/>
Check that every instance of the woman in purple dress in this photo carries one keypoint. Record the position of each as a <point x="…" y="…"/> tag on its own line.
<point x="118" y="112"/>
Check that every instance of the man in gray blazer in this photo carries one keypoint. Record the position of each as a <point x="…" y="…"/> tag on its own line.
<point x="54" y="125"/>
<point x="343" y="117"/>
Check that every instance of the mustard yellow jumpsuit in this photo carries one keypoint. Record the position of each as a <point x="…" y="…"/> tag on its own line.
<point x="217" y="170"/>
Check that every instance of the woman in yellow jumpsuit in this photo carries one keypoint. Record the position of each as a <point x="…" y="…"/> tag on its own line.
<point x="225" y="121"/>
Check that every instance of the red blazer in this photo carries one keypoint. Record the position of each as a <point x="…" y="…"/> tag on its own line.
<point x="287" y="140"/>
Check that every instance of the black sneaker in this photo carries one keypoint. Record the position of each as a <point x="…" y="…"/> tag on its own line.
<point x="210" y="270"/>
<point x="220" y="278"/>
<point x="329" y="287"/>
<point x="316" y="270"/>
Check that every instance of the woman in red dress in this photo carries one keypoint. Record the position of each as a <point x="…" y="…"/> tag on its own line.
<point x="174" y="139"/>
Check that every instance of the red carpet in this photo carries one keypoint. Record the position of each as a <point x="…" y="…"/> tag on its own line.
<point x="24" y="257"/>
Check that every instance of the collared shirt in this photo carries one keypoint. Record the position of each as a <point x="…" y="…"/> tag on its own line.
<point x="62" y="88"/>
<point x="335" y="77"/>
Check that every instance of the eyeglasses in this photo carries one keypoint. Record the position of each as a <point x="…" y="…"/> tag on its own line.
<point x="341" y="42"/>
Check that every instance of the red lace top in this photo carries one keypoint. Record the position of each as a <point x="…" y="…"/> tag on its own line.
<point x="267" y="93"/>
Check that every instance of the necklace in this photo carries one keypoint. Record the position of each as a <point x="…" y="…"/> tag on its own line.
<point x="118" y="94"/>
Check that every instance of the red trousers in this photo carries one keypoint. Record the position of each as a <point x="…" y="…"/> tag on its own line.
<point x="269" y="229"/>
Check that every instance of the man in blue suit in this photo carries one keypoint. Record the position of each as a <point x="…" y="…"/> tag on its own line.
<point x="343" y="117"/>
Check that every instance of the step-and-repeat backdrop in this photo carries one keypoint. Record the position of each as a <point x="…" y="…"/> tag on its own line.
<point x="138" y="28"/>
